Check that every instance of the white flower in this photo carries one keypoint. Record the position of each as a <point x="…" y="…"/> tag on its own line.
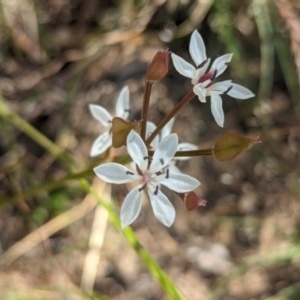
<point x="104" y="140"/>
<point x="150" y="173"/>
<point x="166" y="131"/>
<point x="203" y="81"/>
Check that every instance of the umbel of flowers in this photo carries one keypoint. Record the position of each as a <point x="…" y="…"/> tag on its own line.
<point x="153" y="149"/>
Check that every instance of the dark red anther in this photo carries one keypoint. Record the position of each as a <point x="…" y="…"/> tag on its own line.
<point x="227" y="91"/>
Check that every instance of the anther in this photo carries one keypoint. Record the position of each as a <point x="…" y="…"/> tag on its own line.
<point x="142" y="188"/>
<point x="148" y="157"/>
<point x="162" y="161"/>
<point x="202" y="64"/>
<point x="167" y="174"/>
<point x="129" y="173"/>
<point x="227" y="91"/>
<point x="214" y="56"/>
<point x="156" y="191"/>
<point x="127" y="110"/>
<point x="214" y="75"/>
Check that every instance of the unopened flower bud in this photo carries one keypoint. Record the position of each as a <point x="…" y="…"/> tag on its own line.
<point x="191" y="200"/>
<point x="231" y="144"/>
<point x="120" y="130"/>
<point x="158" y="68"/>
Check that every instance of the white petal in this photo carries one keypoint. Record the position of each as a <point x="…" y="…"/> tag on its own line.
<point x="200" y="72"/>
<point x="240" y="92"/>
<point x="179" y="183"/>
<point x="137" y="150"/>
<point x="200" y="92"/>
<point x="122" y="104"/>
<point x="131" y="207"/>
<point x="150" y="127"/>
<point x="167" y="129"/>
<point x="185" y="147"/>
<point x="162" y="208"/>
<point x="183" y="67"/>
<point x="197" y="48"/>
<point x="221" y="62"/>
<point x="115" y="173"/>
<point x="216" y="108"/>
<point x="164" y="153"/>
<point x="220" y="87"/>
<point x="173" y="168"/>
<point x="101" y="144"/>
<point x="101" y="114"/>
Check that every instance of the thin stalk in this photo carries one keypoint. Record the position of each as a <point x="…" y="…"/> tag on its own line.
<point x="188" y="97"/>
<point x="190" y="153"/>
<point x="145" y="107"/>
<point x="265" y="32"/>
<point x="55" y="184"/>
<point x="203" y="152"/>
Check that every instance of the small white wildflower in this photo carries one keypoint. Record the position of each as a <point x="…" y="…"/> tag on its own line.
<point x="203" y="81"/>
<point x="104" y="140"/>
<point x="151" y="172"/>
<point x="166" y="131"/>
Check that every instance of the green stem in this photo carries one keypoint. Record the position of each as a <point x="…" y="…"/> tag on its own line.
<point x="55" y="184"/>
<point x="265" y="31"/>
<point x="145" y="107"/>
<point x="188" y="97"/>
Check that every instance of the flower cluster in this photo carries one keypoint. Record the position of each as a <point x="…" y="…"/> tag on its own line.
<point x="154" y="149"/>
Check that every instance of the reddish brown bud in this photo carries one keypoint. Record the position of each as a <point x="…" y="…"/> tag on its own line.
<point x="159" y="67"/>
<point x="192" y="201"/>
<point x="120" y="130"/>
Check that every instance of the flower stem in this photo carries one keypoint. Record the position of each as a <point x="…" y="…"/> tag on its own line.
<point x="190" y="153"/>
<point x="203" y="152"/>
<point x="188" y="97"/>
<point x="145" y="107"/>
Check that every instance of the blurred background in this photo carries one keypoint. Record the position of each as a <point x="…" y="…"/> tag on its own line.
<point x="57" y="56"/>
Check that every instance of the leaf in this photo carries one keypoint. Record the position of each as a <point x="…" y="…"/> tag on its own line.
<point x="231" y="144"/>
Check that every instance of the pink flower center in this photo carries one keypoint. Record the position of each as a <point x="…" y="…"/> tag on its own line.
<point x="146" y="178"/>
<point x="211" y="75"/>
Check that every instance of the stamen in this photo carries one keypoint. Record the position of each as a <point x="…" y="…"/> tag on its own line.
<point x="162" y="161"/>
<point x="202" y="64"/>
<point x="109" y="121"/>
<point x="148" y="157"/>
<point x="214" y="56"/>
<point x="227" y="91"/>
<point x="142" y="188"/>
<point x="156" y="191"/>
<point x="227" y="64"/>
<point x="129" y="173"/>
<point x="127" y="110"/>
<point x="167" y="173"/>
<point x="214" y="75"/>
